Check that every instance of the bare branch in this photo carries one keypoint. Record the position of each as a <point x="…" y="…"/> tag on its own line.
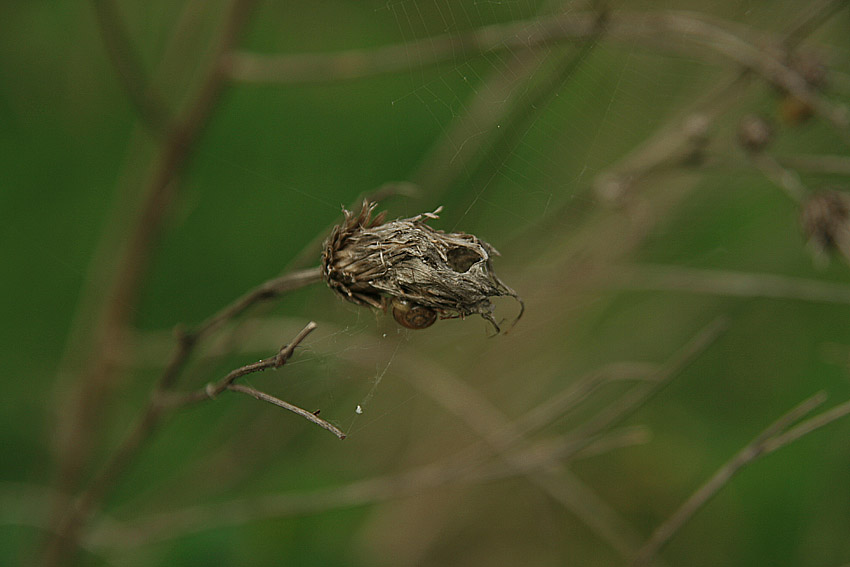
<point x="788" y="180"/>
<point x="640" y="394"/>
<point x="816" y="163"/>
<point x="213" y="389"/>
<point x="121" y="299"/>
<point x="152" y="109"/>
<point x="542" y="32"/>
<point x="160" y="406"/>
<point x="774" y="437"/>
<point x="467" y="465"/>
<point x="266" y="291"/>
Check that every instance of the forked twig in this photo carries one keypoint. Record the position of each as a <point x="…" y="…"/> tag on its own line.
<point x="160" y="406"/>
<point x="467" y="465"/>
<point x="774" y="437"/>
<point x="213" y="389"/>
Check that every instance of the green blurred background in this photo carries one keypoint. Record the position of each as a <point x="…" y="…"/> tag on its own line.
<point x="268" y="177"/>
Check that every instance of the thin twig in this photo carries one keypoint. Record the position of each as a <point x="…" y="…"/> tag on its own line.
<point x="467" y="465"/>
<point x="262" y="396"/>
<point x="816" y="163"/>
<point x="159" y="407"/>
<point x="723" y="282"/>
<point x="807" y="427"/>
<point x="152" y="109"/>
<point x="815" y="15"/>
<point x="494" y="428"/>
<point x="213" y="389"/>
<point x="500" y="114"/>
<point x="774" y="437"/>
<point x="788" y="180"/>
<point x="267" y="291"/>
<point x="560" y="404"/>
<point x="187" y="341"/>
<point x="640" y="394"/>
<point x="121" y="298"/>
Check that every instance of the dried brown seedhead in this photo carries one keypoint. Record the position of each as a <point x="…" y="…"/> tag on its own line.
<point x="826" y="221"/>
<point x="420" y="272"/>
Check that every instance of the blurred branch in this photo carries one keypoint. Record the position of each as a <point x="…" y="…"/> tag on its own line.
<point x="816" y="14"/>
<point x="363" y="63"/>
<point x="776" y="436"/>
<point x="720" y="282"/>
<point x="640" y="394"/>
<point x="682" y="142"/>
<point x="543" y="32"/>
<point x="817" y="163"/>
<point x="500" y="113"/>
<point x="467" y="465"/>
<point x="564" y="401"/>
<point x="123" y="294"/>
<point x="788" y="180"/>
<point x="152" y="109"/>
<point x="494" y="428"/>
<point x="713" y="36"/>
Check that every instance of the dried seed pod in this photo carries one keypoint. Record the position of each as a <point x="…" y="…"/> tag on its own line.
<point x="380" y="264"/>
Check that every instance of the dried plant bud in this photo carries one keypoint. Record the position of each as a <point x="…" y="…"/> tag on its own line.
<point x="826" y="221"/>
<point x="405" y="264"/>
<point x="754" y="133"/>
<point x="811" y="67"/>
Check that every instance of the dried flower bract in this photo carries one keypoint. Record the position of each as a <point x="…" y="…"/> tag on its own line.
<point x="420" y="272"/>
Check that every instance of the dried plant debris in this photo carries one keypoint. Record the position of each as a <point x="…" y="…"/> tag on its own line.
<point x="420" y="273"/>
<point x="826" y="221"/>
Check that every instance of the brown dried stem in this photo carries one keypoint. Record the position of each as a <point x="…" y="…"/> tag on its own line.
<point x="630" y="27"/>
<point x="494" y="428"/>
<point x="774" y="437"/>
<point x="122" y="297"/>
<point x="159" y="407"/>
<point x="469" y="465"/>
<point x="149" y="104"/>
<point x="735" y="284"/>
<point x="309" y="416"/>
<point x="786" y="179"/>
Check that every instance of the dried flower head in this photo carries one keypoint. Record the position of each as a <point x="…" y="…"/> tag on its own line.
<point x="826" y="221"/>
<point x="420" y="272"/>
<point x="754" y="133"/>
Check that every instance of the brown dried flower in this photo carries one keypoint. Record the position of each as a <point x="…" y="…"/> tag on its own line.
<point x="420" y="272"/>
